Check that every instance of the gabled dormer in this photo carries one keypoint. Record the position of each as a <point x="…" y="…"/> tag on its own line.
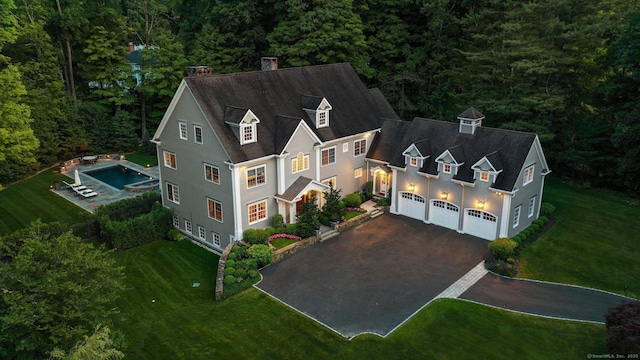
<point x="318" y="109"/>
<point x="244" y="124"/>
<point x="413" y="156"/>
<point x="470" y="120"/>
<point x="450" y="160"/>
<point x="488" y="168"/>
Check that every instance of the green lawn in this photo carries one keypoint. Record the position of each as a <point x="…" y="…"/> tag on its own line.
<point x="23" y="202"/>
<point x="142" y="159"/>
<point x="186" y="323"/>
<point x="595" y="241"/>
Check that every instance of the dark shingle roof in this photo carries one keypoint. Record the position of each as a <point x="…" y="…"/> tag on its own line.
<point x="507" y="148"/>
<point x="269" y="94"/>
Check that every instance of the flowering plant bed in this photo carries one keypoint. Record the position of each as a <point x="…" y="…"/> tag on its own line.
<point x="278" y="241"/>
<point x="353" y="212"/>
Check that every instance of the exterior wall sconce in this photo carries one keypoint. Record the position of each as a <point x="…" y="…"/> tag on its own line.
<point x="412" y="187"/>
<point x="480" y="204"/>
<point x="444" y="195"/>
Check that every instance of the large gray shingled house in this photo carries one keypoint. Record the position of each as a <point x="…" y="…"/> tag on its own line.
<point x="236" y="149"/>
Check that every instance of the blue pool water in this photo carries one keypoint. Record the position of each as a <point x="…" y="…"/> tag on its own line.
<point x="117" y="176"/>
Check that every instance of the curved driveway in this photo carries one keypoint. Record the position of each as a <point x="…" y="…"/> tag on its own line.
<point x="374" y="276"/>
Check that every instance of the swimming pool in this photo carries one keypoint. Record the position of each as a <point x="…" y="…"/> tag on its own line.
<point x="117" y="176"/>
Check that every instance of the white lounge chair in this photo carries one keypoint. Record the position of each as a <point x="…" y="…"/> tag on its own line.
<point x="87" y="193"/>
<point x="75" y="187"/>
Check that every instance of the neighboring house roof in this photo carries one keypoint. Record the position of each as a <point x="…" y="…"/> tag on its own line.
<point x="275" y="96"/>
<point x="505" y="149"/>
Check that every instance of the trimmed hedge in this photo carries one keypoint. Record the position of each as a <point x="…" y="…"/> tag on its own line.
<point x="262" y="254"/>
<point x="502" y="248"/>
<point x="136" y="231"/>
<point x="352" y="200"/>
<point x="129" y="208"/>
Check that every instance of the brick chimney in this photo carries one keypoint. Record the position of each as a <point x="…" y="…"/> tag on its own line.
<point x="269" y="63"/>
<point x="197" y="71"/>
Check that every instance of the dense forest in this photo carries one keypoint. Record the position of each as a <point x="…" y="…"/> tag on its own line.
<point x="565" y="69"/>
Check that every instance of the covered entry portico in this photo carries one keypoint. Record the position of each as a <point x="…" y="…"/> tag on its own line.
<point x="296" y="193"/>
<point x="381" y="180"/>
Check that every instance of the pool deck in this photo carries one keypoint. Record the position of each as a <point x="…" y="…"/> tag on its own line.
<point x="106" y="193"/>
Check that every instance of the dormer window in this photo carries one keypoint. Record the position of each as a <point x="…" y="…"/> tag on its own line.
<point x="317" y="107"/>
<point x="446" y="168"/>
<point x="413" y="161"/>
<point x="484" y="176"/>
<point x="248" y="133"/>
<point x="323" y="118"/>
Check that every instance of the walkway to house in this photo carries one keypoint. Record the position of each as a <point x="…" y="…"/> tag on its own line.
<point x="375" y="276"/>
<point x="106" y="193"/>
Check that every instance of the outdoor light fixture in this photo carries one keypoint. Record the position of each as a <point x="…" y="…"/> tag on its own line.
<point x="444" y="195"/>
<point x="412" y="187"/>
<point x="480" y="204"/>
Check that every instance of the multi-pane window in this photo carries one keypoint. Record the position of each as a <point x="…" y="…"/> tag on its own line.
<point x="257" y="211"/>
<point x="413" y="161"/>
<point x="484" y="176"/>
<point x="202" y="233"/>
<point x="359" y="147"/>
<point x="322" y="118"/>
<point x="173" y="193"/>
<point x="197" y="133"/>
<point x="447" y="169"/>
<point x="187" y="226"/>
<point x="300" y="163"/>
<point x="532" y="206"/>
<point x="527" y="177"/>
<point x="215" y="209"/>
<point x="170" y="159"/>
<point x="216" y="239"/>
<point x="357" y="173"/>
<point x="212" y="173"/>
<point x="328" y="156"/>
<point x="516" y="216"/>
<point x="256" y="176"/>
<point x="176" y="221"/>
<point x="248" y="134"/>
<point x="183" y="130"/>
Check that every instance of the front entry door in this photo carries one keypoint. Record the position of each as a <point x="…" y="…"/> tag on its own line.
<point x="383" y="184"/>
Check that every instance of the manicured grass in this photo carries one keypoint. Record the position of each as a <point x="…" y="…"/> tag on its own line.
<point x="186" y="323"/>
<point x="593" y="243"/>
<point x="351" y="214"/>
<point x="279" y="243"/>
<point x="142" y="159"/>
<point x="23" y="202"/>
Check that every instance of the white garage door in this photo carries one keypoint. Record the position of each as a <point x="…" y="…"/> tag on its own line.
<point x="481" y="224"/>
<point x="411" y="205"/>
<point x="445" y="214"/>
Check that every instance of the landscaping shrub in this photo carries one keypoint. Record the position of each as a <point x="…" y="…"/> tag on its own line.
<point x="136" y="231"/>
<point x="291" y="229"/>
<point x="308" y="217"/>
<point x="324" y="220"/>
<point x="538" y="222"/>
<point x="240" y="251"/>
<point x="546" y="209"/>
<point x="383" y="202"/>
<point x="502" y="248"/>
<point x="352" y="200"/>
<point x="229" y="279"/>
<point x="247" y="264"/>
<point x="269" y="230"/>
<point x="253" y="274"/>
<point x="255" y="236"/>
<point x="333" y="207"/>
<point x="277" y="221"/>
<point x="534" y="227"/>
<point x="128" y="208"/>
<point x="368" y="190"/>
<point x="240" y="274"/>
<point x="175" y="235"/>
<point x="230" y="262"/>
<point x="232" y="256"/>
<point x="623" y="329"/>
<point x="262" y="254"/>
<point x="229" y="270"/>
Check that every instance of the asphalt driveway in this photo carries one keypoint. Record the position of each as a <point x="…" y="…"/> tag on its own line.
<point x="374" y="276"/>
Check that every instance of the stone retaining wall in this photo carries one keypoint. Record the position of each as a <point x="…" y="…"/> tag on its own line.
<point x="220" y="275"/>
<point x="354" y="221"/>
<point x="294" y="248"/>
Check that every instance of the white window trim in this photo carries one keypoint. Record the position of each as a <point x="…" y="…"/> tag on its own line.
<point x="168" y="164"/>
<point x="357" y="173"/>
<point x="355" y="147"/>
<point x="331" y="179"/>
<point x="483" y="173"/>
<point x="188" y="227"/>
<point x="255" y="168"/>
<point x="320" y="123"/>
<point x="254" y="136"/>
<point x="176" y="221"/>
<point x="221" y="210"/>
<point x="345" y="147"/>
<point x="195" y="132"/>
<point x="413" y="161"/>
<point x="532" y="206"/>
<point x="295" y="166"/>
<point x="266" y="211"/>
<point x="334" y="156"/>
<point x="527" y="175"/>
<point x="215" y="237"/>
<point x="444" y="168"/>
<point x="202" y="231"/>
<point x="213" y="167"/>
<point x="516" y="215"/>
<point x="182" y="130"/>
<point x="175" y="190"/>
